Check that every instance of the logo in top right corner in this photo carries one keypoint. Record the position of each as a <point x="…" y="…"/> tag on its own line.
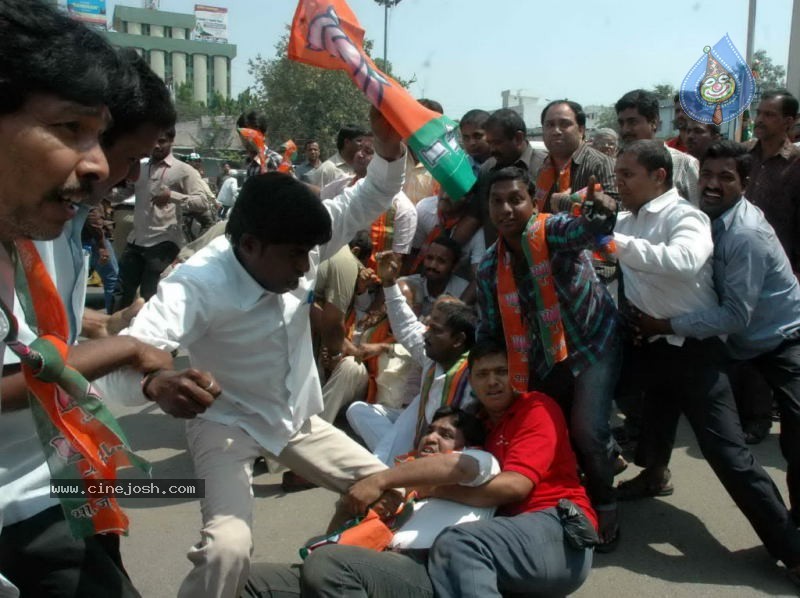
<point x="720" y="85"/>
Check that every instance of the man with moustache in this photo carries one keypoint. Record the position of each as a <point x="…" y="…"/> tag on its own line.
<point x="759" y="308"/>
<point x="664" y="246"/>
<point x="699" y="136"/>
<point x="774" y="184"/>
<point x="637" y="116"/>
<point x="51" y="119"/>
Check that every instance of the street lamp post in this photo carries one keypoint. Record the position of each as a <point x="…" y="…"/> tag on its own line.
<point x="386" y="5"/>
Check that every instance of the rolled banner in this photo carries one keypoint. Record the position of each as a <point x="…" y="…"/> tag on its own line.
<point x="326" y="34"/>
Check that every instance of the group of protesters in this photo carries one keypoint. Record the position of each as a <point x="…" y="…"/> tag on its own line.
<point x="449" y="365"/>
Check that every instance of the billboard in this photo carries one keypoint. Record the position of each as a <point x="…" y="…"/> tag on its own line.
<point x="211" y="23"/>
<point x="92" y="12"/>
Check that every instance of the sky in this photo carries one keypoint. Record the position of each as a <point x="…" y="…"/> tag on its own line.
<point x="464" y="53"/>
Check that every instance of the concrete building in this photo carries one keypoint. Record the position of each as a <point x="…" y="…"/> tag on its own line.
<point x="163" y="38"/>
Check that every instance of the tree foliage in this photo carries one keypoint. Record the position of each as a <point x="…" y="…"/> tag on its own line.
<point x="302" y="102"/>
<point x="664" y="91"/>
<point x="769" y="74"/>
<point x="607" y="118"/>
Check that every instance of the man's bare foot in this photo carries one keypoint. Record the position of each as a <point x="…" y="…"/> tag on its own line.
<point x="608" y="523"/>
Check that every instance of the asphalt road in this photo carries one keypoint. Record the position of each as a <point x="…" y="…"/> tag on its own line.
<point x="694" y="543"/>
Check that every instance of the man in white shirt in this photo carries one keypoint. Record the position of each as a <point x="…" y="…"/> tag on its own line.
<point x="400" y="218"/>
<point x="446" y="454"/>
<point x="440" y="348"/>
<point x="240" y="308"/>
<point x="664" y="247"/>
<point x="638" y="118"/>
<point x="228" y="192"/>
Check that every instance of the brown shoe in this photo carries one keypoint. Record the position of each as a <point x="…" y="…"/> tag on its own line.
<point x="644" y="486"/>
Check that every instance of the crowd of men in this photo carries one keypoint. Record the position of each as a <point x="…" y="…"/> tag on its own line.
<point x="449" y="365"/>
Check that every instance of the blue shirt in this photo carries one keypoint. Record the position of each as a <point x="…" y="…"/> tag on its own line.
<point x="759" y="294"/>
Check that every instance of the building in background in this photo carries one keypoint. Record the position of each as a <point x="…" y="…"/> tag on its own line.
<point x="180" y="48"/>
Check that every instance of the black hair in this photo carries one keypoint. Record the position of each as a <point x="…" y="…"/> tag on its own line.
<point x="44" y="51"/>
<point x="475" y="117"/>
<point x="431" y="105"/>
<point x="349" y="132"/>
<point x="577" y="109"/>
<point x="149" y="103"/>
<point x="169" y="133"/>
<point x="252" y="120"/>
<point x="508" y="120"/>
<point x="362" y="240"/>
<point x="473" y="429"/>
<point x="645" y="102"/>
<point x="676" y="98"/>
<point x="459" y="317"/>
<point x="309" y="142"/>
<point x="484" y="348"/>
<point x="451" y="244"/>
<point x="652" y="154"/>
<point x="277" y="209"/>
<point x="789" y="105"/>
<point x="725" y="148"/>
<point x="513" y="173"/>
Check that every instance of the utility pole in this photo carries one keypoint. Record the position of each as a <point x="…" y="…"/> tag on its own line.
<point x="386" y="5"/>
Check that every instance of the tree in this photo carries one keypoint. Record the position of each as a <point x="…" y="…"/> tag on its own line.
<point x="664" y="91"/>
<point x="302" y="102"/>
<point x="768" y="74"/>
<point x="607" y="118"/>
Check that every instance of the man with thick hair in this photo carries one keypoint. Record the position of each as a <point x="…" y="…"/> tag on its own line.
<point x="571" y="161"/>
<point x="664" y="246"/>
<point x="56" y="82"/>
<point x="473" y="137"/>
<point x="165" y="188"/>
<point x="774" y="184"/>
<point x="240" y="308"/>
<point x="699" y="136"/>
<point x="340" y="164"/>
<point x="539" y="295"/>
<point x="759" y="308"/>
<point x="439" y="348"/>
<point x="637" y="115"/>
<point x="437" y="276"/>
<point x="541" y="542"/>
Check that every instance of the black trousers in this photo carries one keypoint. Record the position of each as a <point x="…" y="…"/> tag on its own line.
<point x="691" y="380"/>
<point x="780" y="369"/>
<point x="142" y="267"/>
<point x="41" y="558"/>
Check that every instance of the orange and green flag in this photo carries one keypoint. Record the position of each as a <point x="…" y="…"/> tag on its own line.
<point x="326" y="34"/>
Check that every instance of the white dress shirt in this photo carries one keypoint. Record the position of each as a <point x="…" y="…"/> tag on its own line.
<point x="665" y="254"/>
<point x="405" y="215"/>
<point x="228" y="192"/>
<point x="257" y="344"/>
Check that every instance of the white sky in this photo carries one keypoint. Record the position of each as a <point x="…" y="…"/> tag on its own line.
<point x="465" y="52"/>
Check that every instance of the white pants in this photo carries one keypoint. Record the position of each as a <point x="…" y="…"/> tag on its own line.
<point x="223" y="456"/>
<point x="372" y="422"/>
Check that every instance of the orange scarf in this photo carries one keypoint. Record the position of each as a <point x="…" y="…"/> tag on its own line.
<point x="548" y="312"/>
<point x="443" y="226"/>
<point x="551" y="180"/>
<point x="80" y="437"/>
<point x="382" y="234"/>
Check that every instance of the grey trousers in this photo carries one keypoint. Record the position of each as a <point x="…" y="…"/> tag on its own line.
<point x="342" y="571"/>
<point x="522" y="555"/>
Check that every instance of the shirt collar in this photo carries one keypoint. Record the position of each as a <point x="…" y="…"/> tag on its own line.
<point x="248" y="290"/>
<point x="662" y="201"/>
<point x="727" y="217"/>
<point x="786" y="152"/>
<point x="169" y="160"/>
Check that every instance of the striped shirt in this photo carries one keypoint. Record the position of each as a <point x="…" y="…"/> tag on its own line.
<point x="587" y="310"/>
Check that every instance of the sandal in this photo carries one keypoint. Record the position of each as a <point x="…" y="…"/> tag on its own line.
<point x="610" y="544"/>
<point x="643" y="486"/>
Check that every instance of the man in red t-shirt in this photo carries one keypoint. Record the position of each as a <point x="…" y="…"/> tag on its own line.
<point x="527" y="549"/>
